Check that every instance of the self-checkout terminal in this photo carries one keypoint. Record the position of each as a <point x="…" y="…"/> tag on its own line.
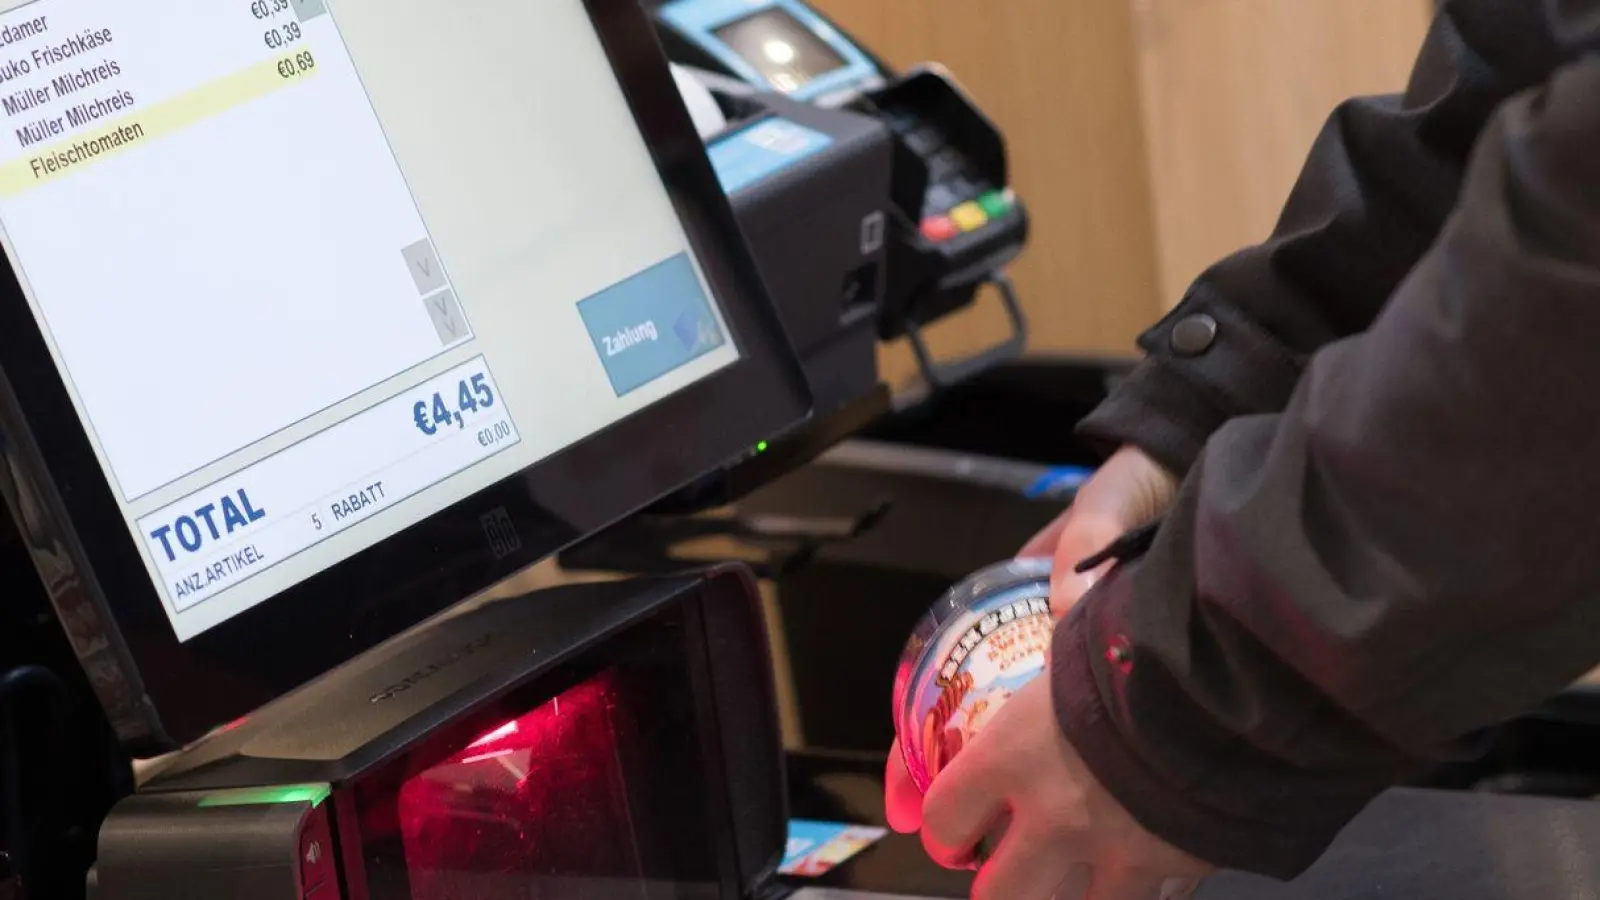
<point x="253" y="524"/>
<point x="258" y="518"/>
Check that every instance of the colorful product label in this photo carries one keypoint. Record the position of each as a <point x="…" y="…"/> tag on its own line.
<point x="983" y="659"/>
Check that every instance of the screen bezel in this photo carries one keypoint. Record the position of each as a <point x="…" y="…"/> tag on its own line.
<point x="233" y="668"/>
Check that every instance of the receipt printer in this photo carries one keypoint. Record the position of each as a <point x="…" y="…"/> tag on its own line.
<point x="810" y="189"/>
<point x="591" y="742"/>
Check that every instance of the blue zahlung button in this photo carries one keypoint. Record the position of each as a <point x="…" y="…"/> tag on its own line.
<point x="652" y="323"/>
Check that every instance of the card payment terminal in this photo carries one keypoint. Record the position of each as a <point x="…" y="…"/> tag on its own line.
<point x="782" y="45"/>
<point x="955" y="221"/>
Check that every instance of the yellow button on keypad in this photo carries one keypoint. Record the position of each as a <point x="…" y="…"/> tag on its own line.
<point x="969" y="217"/>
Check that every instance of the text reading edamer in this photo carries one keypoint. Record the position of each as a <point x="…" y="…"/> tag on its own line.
<point x="11" y="34"/>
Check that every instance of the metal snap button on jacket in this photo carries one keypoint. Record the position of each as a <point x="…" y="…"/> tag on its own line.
<point x="1193" y="335"/>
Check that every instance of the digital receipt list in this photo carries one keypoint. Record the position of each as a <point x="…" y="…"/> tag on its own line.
<point x="215" y="234"/>
<point x="72" y="83"/>
<point x="65" y="70"/>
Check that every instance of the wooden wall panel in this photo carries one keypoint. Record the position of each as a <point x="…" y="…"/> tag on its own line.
<point x="1234" y="93"/>
<point x="1060" y="78"/>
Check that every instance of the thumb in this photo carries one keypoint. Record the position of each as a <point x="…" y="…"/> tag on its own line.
<point x="1043" y="545"/>
<point x="902" y="801"/>
<point x="1067" y="587"/>
<point x="1084" y="538"/>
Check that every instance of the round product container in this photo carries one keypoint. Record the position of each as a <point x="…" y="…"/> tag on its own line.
<point x="983" y="640"/>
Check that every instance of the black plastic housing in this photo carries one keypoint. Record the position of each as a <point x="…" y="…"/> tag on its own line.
<point x="393" y="713"/>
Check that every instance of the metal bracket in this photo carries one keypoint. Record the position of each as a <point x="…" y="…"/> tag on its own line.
<point x="940" y="375"/>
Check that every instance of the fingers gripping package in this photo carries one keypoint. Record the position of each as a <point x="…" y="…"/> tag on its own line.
<point x="982" y="642"/>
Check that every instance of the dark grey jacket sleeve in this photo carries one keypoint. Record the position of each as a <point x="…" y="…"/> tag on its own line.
<point x="1403" y="557"/>
<point x="1380" y="180"/>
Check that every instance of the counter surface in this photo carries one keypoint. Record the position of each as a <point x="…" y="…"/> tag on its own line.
<point x="1409" y="845"/>
<point x="1420" y="845"/>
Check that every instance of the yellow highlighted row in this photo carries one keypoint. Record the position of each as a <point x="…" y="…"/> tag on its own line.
<point x="103" y="141"/>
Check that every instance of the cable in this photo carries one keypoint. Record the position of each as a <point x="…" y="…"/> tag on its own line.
<point x="23" y="677"/>
<point x="12" y="684"/>
<point x="10" y="881"/>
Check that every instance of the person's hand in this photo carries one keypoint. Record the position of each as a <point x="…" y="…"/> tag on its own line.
<point x="1129" y="491"/>
<point x="1054" y="832"/>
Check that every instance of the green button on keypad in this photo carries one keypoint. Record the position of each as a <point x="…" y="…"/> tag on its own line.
<point x="996" y="203"/>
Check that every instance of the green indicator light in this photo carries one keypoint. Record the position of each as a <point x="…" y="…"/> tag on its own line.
<point x="761" y="447"/>
<point x="313" y="794"/>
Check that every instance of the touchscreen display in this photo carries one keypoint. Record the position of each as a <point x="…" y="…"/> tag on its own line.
<point x="313" y="270"/>
<point x="784" y="51"/>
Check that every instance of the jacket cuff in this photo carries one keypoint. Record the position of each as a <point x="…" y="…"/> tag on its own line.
<point x="1086" y="656"/>
<point x="1207" y="362"/>
<point x="1154" y="409"/>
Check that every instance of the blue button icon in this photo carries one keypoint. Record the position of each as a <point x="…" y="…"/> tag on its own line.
<point x="651" y="323"/>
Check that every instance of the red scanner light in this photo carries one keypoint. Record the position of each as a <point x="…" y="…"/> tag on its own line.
<point x="505" y="730"/>
<point x="539" y="801"/>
